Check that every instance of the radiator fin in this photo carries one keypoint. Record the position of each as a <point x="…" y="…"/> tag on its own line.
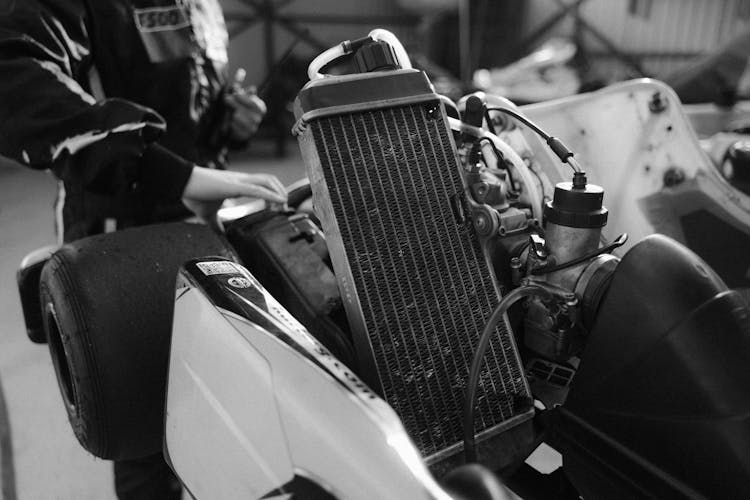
<point x="424" y="286"/>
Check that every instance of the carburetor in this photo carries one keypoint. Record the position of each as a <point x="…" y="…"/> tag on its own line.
<point x="569" y="259"/>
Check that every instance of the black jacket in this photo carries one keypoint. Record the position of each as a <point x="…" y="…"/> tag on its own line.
<point x="117" y="97"/>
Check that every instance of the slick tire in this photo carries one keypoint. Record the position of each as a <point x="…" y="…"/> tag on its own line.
<point x="107" y="304"/>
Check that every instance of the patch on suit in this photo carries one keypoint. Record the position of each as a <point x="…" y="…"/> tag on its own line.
<point x="161" y="18"/>
<point x="175" y="31"/>
<point x="165" y="32"/>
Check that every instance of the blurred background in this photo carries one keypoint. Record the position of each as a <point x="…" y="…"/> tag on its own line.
<point x="526" y="50"/>
<point x="615" y="39"/>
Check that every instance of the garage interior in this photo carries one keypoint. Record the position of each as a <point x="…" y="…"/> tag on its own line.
<point x="530" y="52"/>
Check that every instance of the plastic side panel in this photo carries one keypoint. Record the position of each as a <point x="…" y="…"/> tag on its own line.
<point x="255" y="414"/>
<point x="223" y="431"/>
<point x="629" y="149"/>
<point x="354" y="449"/>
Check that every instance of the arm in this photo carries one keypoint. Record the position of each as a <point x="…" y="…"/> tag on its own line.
<point x="46" y="115"/>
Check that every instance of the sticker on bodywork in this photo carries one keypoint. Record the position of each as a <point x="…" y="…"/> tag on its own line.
<point x="217" y="267"/>
<point x="239" y="282"/>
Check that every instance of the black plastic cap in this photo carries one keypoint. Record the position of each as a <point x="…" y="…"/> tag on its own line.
<point x="579" y="180"/>
<point x="474" y="111"/>
<point x="376" y="56"/>
<point x="739" y="156"/>
<point x="577" y="206"/>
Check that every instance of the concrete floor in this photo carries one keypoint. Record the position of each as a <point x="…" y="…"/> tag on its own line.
<point x="49" y="462"/>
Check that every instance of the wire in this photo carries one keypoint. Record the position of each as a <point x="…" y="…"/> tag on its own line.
<point x="619" y="241"/>
<point x="556" y="145"/>
<point x="488" y="118"/>
<point x="541" y="182"/>
<point x="518" y="116"/>
<point x="510" y="155"/>
<point x="449" y="103"/>
<point x="501" y="158"/>
<point x="476" y="362"/>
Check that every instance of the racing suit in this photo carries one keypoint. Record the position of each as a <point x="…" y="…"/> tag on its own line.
<point x="87" y="90"/>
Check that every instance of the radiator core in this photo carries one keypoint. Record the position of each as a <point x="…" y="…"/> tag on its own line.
<point x="417" y="287"/>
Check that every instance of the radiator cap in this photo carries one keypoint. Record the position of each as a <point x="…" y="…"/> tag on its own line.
<point x="376" y="56"/>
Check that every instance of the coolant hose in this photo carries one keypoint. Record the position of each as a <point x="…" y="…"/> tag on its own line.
<point x="343" y="48"/>
<point x="393" y="41"/>
<point x="476" y="362"/>
<point x="313" y="70"/>
<point x="507" y="151"/>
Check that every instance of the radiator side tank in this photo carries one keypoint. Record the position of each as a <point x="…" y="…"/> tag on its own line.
<point x="416" y="285"/>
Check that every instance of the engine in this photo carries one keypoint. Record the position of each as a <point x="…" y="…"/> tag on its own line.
<point x="473" y="283"/>
<point x="567" y="255"/>
<point x="430" y="221"/>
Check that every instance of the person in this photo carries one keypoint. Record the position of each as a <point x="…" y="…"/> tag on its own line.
<point x="122" y="100"/>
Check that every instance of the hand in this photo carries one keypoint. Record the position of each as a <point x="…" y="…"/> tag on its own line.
<point x="247" y="111"/>
<point x="207" y="189"/>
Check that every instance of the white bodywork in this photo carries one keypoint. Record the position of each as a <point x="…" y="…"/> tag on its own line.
<point x="627" y="149"/>
<point x="247" y="412"/>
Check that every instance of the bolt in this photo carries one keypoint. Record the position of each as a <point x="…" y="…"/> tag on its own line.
<point x="673" y="177"/>
<point x="481" y="223"/>
<point x="657" y="104"/>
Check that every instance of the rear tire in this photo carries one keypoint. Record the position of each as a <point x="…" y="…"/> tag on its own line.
<point x="107" y="304"/>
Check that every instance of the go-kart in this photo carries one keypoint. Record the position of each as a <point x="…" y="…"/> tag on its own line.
<point x="458" y="295"/>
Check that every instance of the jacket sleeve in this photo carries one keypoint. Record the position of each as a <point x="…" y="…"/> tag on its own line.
<point x="46" y="115"/>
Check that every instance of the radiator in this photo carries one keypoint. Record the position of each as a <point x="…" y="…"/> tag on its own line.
<point x="416" y="285"/>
